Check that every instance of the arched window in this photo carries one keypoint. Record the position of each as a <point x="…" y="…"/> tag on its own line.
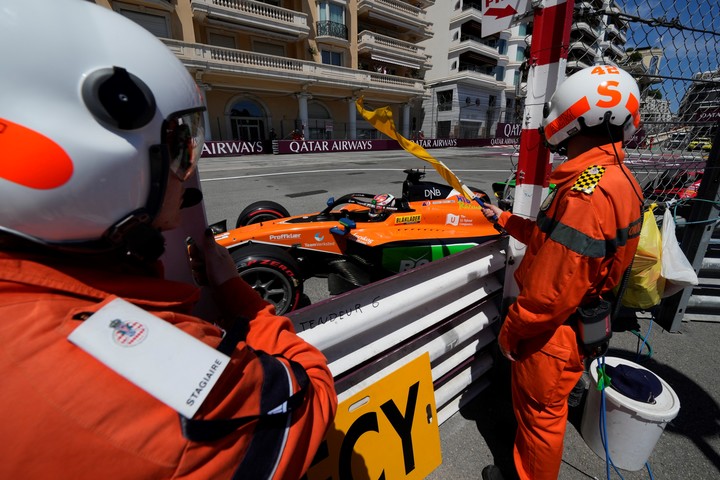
<point x="320" y="121"/>
<point x="247" y="121"/>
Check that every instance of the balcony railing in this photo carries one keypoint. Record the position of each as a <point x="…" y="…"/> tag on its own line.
<point x="397" y="12"/>
<point x="612" y="30"/>
<point x="326" y="28"/>
<point x="251" y="65"/>
<point x="474" y="44"/>
<point x="392" y="50"/>
<point x="254" y="14"/>
<point x="480" y="77"/>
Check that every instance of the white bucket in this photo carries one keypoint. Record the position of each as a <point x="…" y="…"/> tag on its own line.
<point x="633" y="428"/>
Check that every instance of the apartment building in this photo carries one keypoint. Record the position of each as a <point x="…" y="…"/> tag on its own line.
<point x="278" y="68"/>
<point x="477" y="82"/>
<point x="596" y="36"/>
<point x="700" y="106"/>
<point x="474" y="81"/>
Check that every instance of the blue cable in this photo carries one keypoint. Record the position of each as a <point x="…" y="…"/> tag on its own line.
<point x="647" y="465"/>
<point x="603" y="426"/>
<point x="647" y="335"/>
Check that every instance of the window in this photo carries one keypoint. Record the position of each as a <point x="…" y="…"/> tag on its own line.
<point x="220" y="40"/>
<point x="520" y="56"/>
<point x="332" y="20"/>
<point x="491" y="101"/>
<point x="445" y="100"/>
<point x="516" y="78"/>
<point x="332" y="58"/>
<point x="653" y="68"/>
<point x="502" y="47"/>
<point x="269" y="48"/>
<point x="499" y="74"/>
<point x="155" y="24"/>
<point x="247" y="121"/>
<point x="332" y="12"/>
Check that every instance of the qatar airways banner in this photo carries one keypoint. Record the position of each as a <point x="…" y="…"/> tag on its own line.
<point x="233" y="148"/>
<point x="239" y="148"/>
<point x="707" y="116"/>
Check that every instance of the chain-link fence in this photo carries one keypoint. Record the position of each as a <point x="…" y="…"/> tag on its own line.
<point x="672" y="48"/>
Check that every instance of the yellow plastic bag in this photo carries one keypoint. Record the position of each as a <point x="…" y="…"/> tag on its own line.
<point x="646" y="285"/>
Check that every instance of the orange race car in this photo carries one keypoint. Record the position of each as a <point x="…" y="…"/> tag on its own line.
<point x="357" y="239"/>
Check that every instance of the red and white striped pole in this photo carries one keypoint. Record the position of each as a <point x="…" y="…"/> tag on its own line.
<point x="547" y="61"/>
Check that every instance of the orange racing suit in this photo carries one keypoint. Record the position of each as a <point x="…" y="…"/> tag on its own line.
<point x="584" y="238"/>
<point x="64" y="414"/>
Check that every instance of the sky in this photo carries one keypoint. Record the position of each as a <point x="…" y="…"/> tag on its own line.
<point x="685" y="52"/>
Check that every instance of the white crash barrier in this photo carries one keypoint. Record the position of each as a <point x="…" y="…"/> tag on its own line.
<point x="446" y="308"/>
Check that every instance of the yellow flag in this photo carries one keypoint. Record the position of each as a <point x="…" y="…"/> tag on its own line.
<point x="381" y="119"/>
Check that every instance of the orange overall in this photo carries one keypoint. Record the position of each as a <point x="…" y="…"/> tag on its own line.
<point x="584" y="238"/>
<point x="64" y="413"/>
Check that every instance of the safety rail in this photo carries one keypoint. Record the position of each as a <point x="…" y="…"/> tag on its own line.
<point x="446" y="308"/>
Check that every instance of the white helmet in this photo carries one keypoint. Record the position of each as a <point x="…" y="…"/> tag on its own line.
<point x="94" y="111"/>
<point x="589" y="98"/>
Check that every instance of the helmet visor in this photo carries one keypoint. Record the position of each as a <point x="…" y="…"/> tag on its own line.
<point x="184" y="135"/>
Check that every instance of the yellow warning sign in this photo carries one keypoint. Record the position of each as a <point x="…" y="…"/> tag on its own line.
<point x="388" y="431"/>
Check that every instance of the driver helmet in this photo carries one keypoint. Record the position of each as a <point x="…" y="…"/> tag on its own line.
<point x="380" y="203"/>
<point x="593" y="96"/>
<point x="89" y="134"/>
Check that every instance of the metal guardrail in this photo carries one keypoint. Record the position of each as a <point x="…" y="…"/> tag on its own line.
<point x="704" y="303"/>
<point x="446" y="308"/>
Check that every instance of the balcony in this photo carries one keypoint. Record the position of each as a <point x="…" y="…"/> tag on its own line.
<point x="327" y="28"/>
<point x="470" y="11"/>
<point x="614" y="32"/>
<point x="616" y="52"/>
<point x="583" y="49"/>
<point x="253" y="17"/>
<point x="586" y="28"/>
<point x="233" y="65"/>
<point x="469" y="43"/>
<point x="397" y="14"/>
<point x="477" y="78"/>
<point x="391" y="50"/>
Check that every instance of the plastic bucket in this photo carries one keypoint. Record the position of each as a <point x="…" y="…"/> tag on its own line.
<point x="633" y="428"/>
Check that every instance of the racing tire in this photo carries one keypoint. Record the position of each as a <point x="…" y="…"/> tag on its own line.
<point x="261" y="211"/>
<point x="273" y="273"/>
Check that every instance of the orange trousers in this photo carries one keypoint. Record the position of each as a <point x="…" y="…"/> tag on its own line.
<point x="541" y="384"/>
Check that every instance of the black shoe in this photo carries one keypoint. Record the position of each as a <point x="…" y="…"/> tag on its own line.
<point x="491" y="472"/>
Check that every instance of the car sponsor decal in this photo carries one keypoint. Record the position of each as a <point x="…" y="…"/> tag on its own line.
<point x="285" y="236"/>
<point x="362" y="239"/>
<point x="405" y="219"/>
<point x="400" y="259"/>
<point x="458" y="220"/>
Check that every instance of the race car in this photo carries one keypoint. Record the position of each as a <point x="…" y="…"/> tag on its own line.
<point x="356" y="239"/>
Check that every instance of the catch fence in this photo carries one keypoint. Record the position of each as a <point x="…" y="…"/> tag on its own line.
<point x="672" y="49"/>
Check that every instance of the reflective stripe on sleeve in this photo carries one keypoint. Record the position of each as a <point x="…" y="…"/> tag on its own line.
<point x="584" y="244"/>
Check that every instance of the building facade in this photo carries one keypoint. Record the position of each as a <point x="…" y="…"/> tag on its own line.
<point x="475" y="81"/>
<point x="274" y="69"/>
